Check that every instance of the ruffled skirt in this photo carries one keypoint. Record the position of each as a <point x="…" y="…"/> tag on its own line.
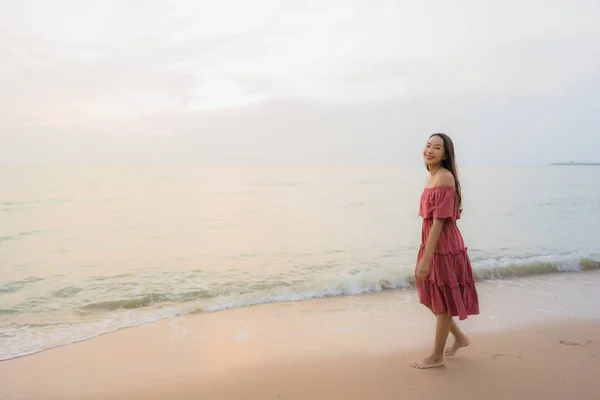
<point x="450" y="287"/>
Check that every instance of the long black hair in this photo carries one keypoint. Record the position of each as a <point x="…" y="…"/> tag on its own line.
<point x="449" y="162"/>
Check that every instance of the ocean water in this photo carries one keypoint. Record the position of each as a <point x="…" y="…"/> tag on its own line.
<point x="86" y="250"/>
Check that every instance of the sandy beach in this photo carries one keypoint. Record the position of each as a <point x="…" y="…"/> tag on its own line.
<point x="357" y="347"/>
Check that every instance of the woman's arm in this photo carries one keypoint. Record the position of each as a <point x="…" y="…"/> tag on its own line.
<point x="434" y="235"/>
<point x="432" y="239"/>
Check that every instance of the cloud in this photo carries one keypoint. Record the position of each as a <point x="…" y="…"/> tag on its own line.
<point x="99" y="72"/>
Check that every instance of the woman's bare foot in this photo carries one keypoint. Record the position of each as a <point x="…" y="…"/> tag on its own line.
<point x="429" y="362"/>
<point x="458" y="343"/>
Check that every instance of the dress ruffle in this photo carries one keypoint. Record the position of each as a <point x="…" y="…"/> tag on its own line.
<point x="439" y="202"/>
<point x="450" y="287"/>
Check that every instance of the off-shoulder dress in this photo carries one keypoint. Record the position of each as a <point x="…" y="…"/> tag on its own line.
<point x="450" y="287"/>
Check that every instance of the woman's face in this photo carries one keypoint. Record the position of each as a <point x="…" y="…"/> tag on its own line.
<point x="434" y="153"/>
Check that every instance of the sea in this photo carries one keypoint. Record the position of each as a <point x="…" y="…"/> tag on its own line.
<point x="91" y="249"/>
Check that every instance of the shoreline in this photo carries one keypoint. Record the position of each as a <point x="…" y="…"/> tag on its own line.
<point x="353" y="347"/>
<point x="588" y="267"/>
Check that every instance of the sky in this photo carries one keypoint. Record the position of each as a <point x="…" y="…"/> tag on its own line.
<point x="274" y="81"/>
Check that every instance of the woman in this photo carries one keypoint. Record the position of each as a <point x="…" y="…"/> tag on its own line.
<point x="443" y="272"/>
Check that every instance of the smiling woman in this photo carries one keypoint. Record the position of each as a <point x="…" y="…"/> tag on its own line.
<point x="444" y="276"/>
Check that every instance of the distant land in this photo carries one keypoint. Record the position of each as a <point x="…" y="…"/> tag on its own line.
<point x="576" y="163"/>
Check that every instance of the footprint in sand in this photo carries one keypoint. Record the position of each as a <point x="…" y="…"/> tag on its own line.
<point x="500" y="355"/>
<point x="569" y="343"/>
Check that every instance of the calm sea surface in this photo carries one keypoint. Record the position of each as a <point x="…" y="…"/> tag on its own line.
<point x="86" y="250"/>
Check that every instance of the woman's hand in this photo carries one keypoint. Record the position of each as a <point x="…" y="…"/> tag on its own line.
<point x="422" y="271"/>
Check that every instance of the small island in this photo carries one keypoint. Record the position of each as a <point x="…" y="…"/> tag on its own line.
<point x="573" y="163"/>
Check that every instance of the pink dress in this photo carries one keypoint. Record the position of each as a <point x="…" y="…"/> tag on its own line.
<point x="450" y="287"/>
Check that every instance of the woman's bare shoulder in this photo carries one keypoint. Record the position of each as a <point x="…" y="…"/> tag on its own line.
<point x="442" y="178"/>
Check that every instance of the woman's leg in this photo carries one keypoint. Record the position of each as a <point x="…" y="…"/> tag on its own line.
<point x="442" y="329"/>
<point x="460" y="340"/>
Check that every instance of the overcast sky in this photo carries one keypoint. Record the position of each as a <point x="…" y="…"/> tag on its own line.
<point x="298" y="80"/>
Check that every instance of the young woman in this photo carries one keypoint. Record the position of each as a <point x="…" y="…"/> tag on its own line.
<point x="443" y="272"/>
